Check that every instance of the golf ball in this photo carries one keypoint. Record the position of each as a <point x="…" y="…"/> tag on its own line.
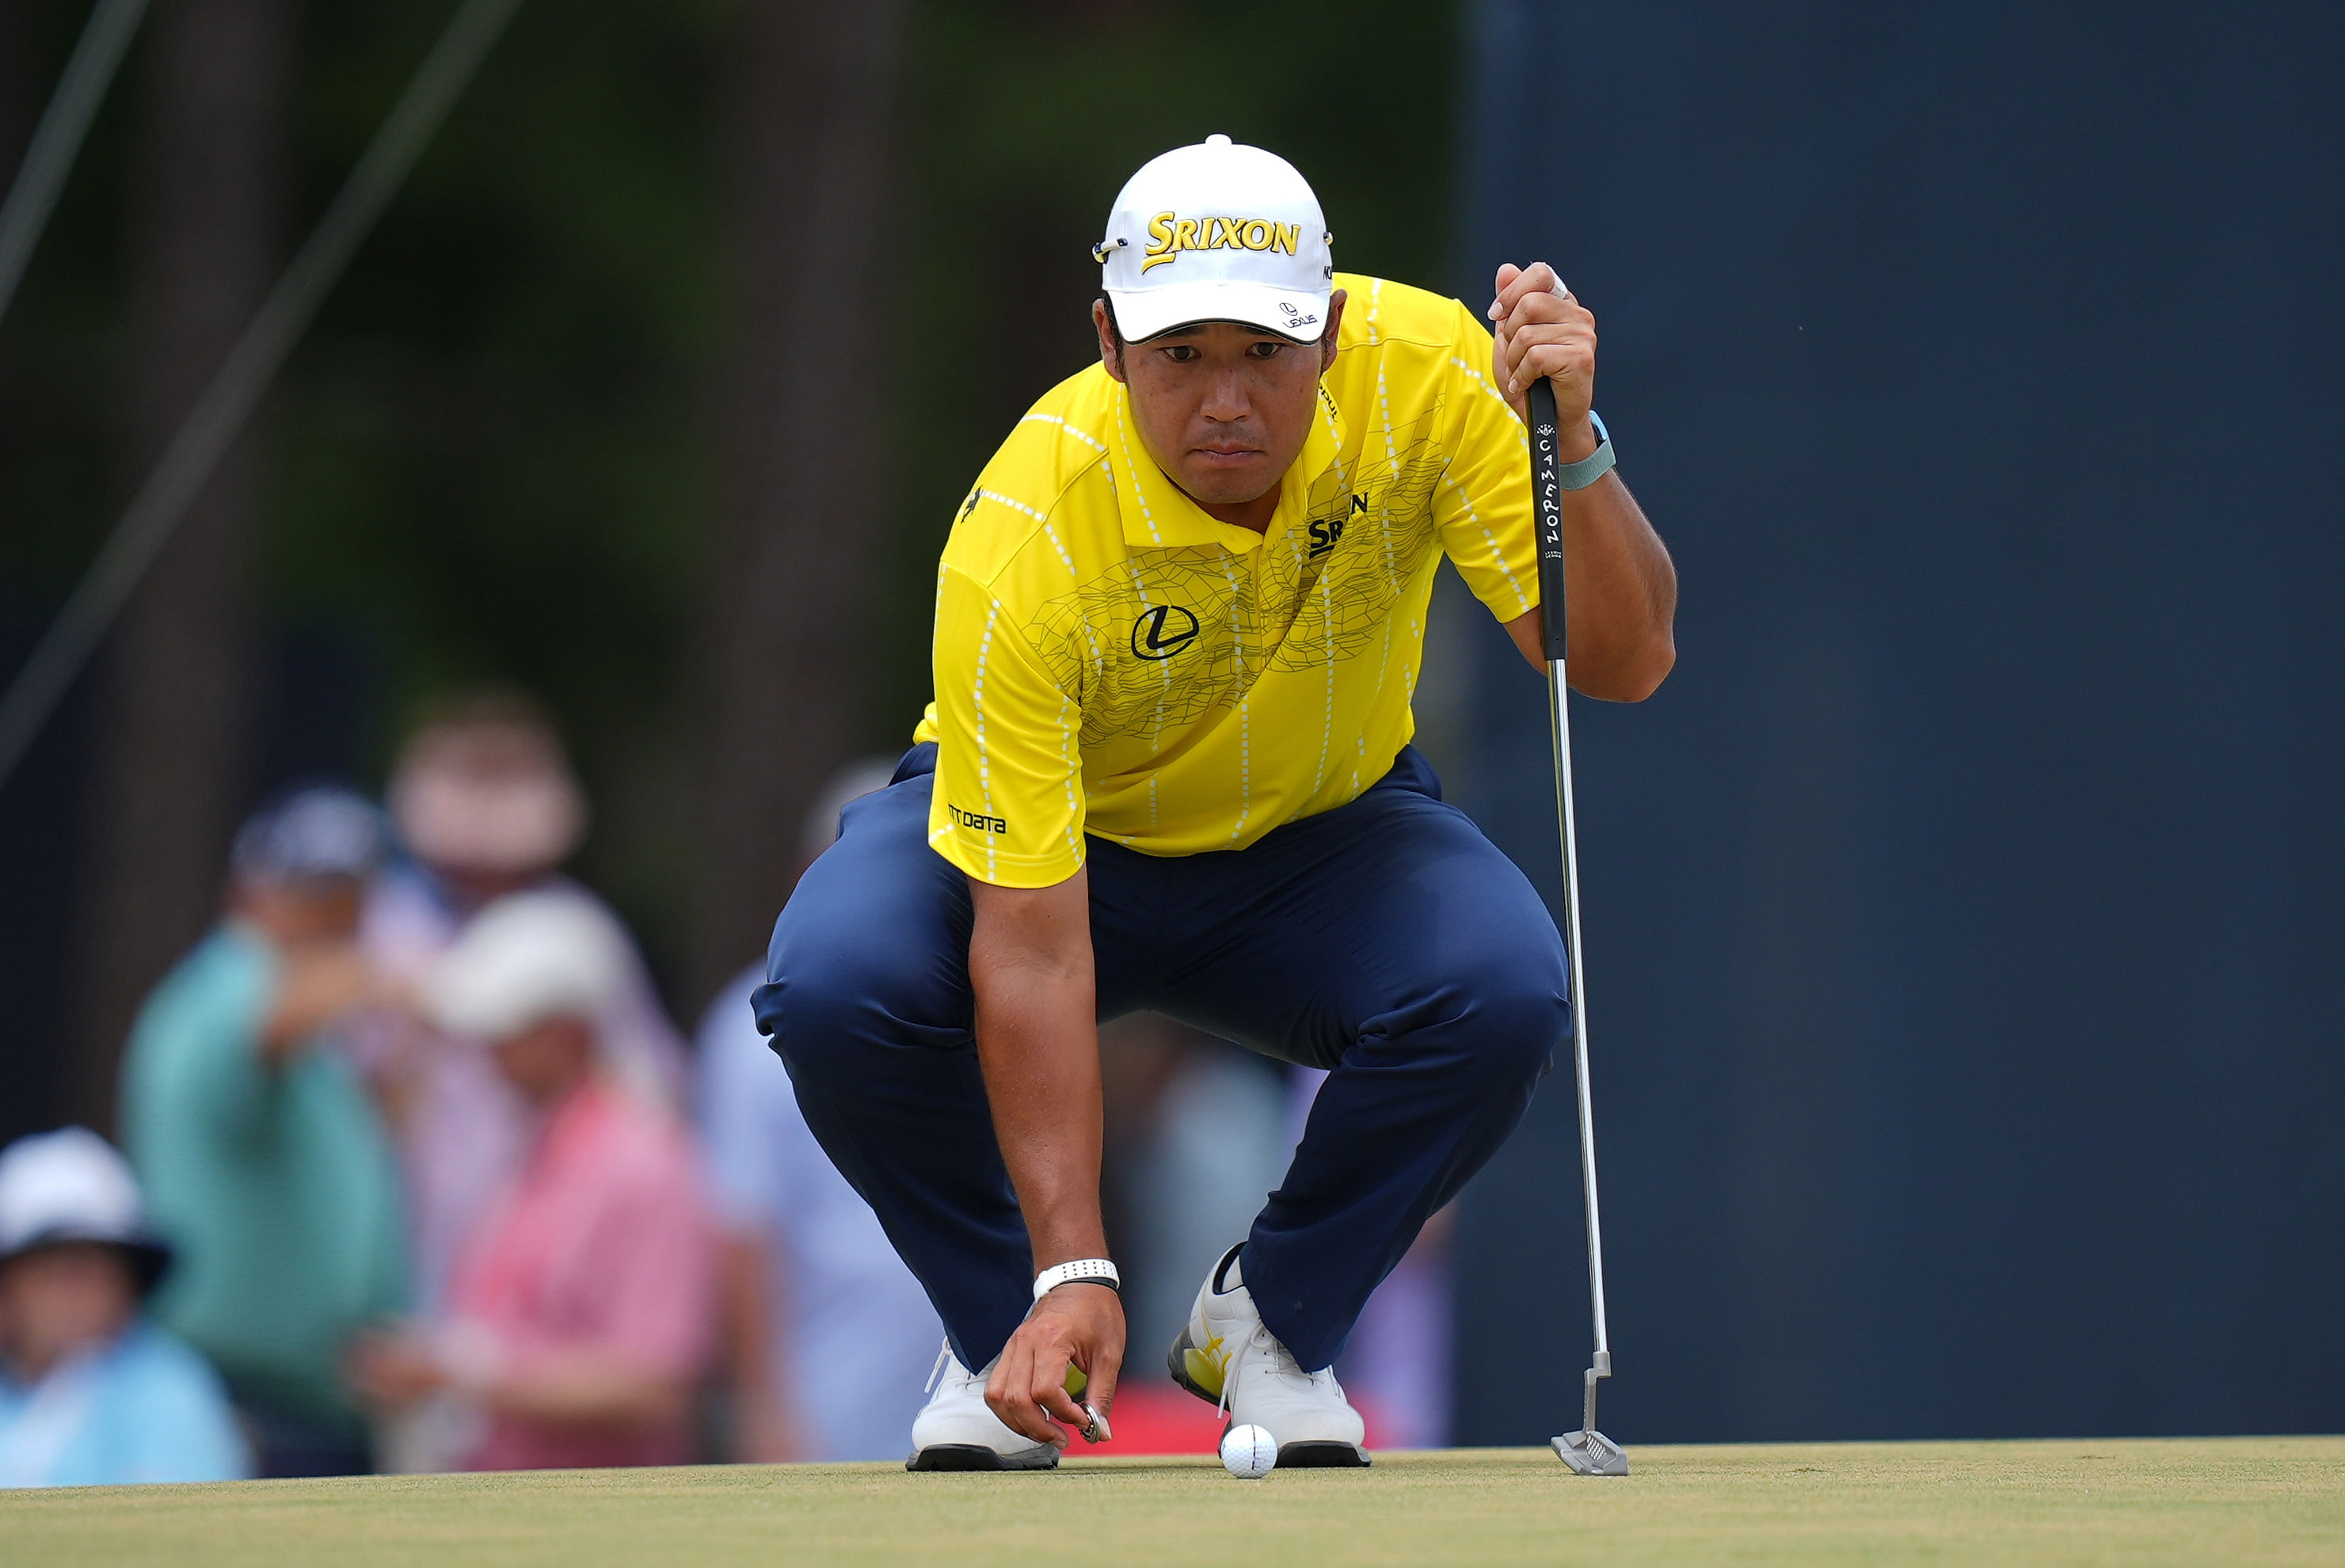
<point x="1248" y="1453"/>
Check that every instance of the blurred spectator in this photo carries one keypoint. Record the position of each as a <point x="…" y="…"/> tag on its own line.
<point x="1398" y="1361"/>
<point x="485" y="801"/>
<point x="1396" y="1365"/>
<point x="1200" y="1139"/>
<point x="91" y="1393"/>
<point x="829" y="1336"/>
<point x="578" y="1317"/>
<point x="265" y="1164"/>
<point x="1199" y="1132"/>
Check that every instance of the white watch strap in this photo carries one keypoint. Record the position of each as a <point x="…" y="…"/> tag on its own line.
<point x="1081" y="1271"/>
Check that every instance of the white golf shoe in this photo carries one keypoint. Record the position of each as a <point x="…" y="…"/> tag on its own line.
<point x="959" y="1431"/>
<point x="1228" y="1356"/>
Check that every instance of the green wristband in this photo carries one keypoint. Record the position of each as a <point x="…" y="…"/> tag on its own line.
<point x="1595" y="465"/>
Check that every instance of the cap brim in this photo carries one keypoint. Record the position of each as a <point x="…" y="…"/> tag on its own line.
<point x="149" y="1256"/>
<point x="1142" y="313"/>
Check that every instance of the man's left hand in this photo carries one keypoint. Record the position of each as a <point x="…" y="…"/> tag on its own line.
<point x="1542" y="330"/>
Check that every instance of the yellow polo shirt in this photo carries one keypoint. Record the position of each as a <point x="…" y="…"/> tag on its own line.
<point x="1111" y="660"/>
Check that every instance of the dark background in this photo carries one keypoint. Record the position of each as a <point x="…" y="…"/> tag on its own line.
<point x="1961" y="912"/>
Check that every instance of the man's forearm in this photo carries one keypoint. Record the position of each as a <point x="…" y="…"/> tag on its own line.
<point x="1624" y="593"/>
<point x="1030" y="964"/>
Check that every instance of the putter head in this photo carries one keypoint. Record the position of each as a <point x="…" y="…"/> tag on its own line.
<point x="1590" y="1453"/>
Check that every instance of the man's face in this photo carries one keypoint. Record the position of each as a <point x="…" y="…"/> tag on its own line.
<point x="548" y="1058"/>
<point x="296" y="914"/>
<point x="57" y="1300"/>
<point x="1224" y="410"/>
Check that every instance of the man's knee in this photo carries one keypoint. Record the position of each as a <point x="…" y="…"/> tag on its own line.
<point x="833" y="983"/>
<point x="818" y="988"/>
<point x="803" y="1004"/>
<point x="1520" y="1012"/>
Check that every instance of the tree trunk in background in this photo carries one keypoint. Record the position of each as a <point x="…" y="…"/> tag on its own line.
<point x="818" y="270"/>
<point x="24" y="82"/>
<point x="19" y="108"/>
<point x="170" y="755"/>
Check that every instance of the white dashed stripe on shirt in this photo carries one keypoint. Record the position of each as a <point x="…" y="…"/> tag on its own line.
<point x="1081" y="435"/>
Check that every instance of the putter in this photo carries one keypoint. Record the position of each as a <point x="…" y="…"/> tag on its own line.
<point x="1586" y="1452"/>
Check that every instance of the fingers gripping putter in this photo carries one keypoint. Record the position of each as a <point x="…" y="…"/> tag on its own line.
<point x="1587" y="1452"/>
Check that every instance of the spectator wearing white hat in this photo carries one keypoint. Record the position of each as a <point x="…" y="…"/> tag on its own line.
<point x="91" y="1393"/>
<point x="486" y="804"/>
<point x="262" y="1155"/>
<point x="580" y="1314"/>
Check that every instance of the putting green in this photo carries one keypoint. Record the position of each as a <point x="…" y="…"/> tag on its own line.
<point x="2184" y="1500"/>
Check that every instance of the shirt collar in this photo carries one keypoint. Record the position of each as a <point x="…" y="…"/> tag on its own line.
<point x="1157" y="514"/>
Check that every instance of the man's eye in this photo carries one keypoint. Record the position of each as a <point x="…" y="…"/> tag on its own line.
<point x="1182" y="353"/>
<point x="1264" y="350"/>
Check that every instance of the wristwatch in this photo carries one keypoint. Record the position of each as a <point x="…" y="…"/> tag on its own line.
<point x="1595" y="465"/>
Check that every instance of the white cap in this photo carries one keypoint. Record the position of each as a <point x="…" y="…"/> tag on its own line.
<point x="1218" y="232"/>
<point x="525" y="958"/>
<point x="70" y="1186"/>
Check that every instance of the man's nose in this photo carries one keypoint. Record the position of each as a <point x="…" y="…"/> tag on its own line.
<point x="1226" y="397"/>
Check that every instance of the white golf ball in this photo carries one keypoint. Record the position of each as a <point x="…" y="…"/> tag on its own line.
<point x="1248" y="1453"/>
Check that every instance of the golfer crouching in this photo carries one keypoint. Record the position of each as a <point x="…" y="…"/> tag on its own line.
<point x="1178" y="625"/>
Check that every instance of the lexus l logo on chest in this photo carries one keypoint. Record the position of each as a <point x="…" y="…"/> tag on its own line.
<point x="1164" y="632"/>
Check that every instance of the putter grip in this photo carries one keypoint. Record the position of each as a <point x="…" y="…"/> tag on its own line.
<point x="1547" y="497"/>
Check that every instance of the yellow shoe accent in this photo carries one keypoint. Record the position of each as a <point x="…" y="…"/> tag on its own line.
<point x="1207" y="1367"/>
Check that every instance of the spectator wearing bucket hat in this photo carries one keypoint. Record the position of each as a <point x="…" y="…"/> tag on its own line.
<point x="92" y="1394"/>
<point x="263" y="1157"/>
<point x="485" y="805"/>
<point x="580" y="1312"/>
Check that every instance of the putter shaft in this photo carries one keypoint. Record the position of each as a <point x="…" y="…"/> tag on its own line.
<point x="1586" y="1452"/>
<point x="1559" y="719"/>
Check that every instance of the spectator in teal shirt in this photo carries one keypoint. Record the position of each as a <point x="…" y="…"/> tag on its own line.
<point x="266" y="1165"/>
<point x="91" y="1393"/>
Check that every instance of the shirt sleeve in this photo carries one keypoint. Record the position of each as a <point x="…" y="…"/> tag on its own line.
<point x="1008" y="803"/>
<point x="1482" y="504"/>
<point x="195" y="1069"/>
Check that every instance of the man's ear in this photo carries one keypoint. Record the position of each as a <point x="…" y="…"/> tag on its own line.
<point x="1335" y="324"/>
<point x="1110" y="355"/>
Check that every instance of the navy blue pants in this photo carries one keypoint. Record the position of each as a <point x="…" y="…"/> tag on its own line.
<point x="1387" y="941"/>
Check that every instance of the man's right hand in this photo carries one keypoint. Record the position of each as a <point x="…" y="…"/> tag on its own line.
<point x="1078" y="1325"/>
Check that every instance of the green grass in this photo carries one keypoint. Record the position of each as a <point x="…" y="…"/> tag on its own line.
<point x="2182" y="1501"/>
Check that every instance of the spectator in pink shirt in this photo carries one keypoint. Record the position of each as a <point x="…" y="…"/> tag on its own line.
<point x="486" y="805"/>
<point x="581" y="1309"/>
